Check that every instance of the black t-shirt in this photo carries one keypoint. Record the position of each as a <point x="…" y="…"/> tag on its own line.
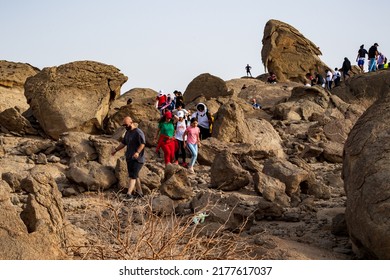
<point x="320" y="79"/>
<point x="346" y="66"/>
<point x="133" y="139"/>
<point x="372" y="52"/>
<point x="362" y="52"/>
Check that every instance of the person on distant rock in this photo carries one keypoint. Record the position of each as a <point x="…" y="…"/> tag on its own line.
<point x="361" y="56"/>
<point x="345" y="68"/>
<point x="372" y="56"/>
<point x="309" y="81"/>
<point x="381" y="61"/>
<point x="318" y="80"/>
<point x="254" y="104"/>
<point x="248" y="70"/>
<point x="134" y="141"/>
<point x="329" y="79"/>
<point x="336" y="77"/>
<point x="165" y="136"/>
<point x="204" y="120"/>
<point x="191" y="139"/>
<point x="271" y="78"/>
<point x="181" y="126"/>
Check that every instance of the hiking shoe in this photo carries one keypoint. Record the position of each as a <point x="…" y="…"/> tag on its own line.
<point x="191" y="170"/>
<point x="184" y="164"/>
<point x="176" y="162"/>
<point x="140" y="195"/>
<point x="130" y="197"/>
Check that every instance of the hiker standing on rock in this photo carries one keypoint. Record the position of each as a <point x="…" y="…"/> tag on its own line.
<point x="134" y="141"/>
<point x="248" y="70"/>
<point x="362" y="52"/>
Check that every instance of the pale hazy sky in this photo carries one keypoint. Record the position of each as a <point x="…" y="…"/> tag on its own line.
<point x="166" y="44"/>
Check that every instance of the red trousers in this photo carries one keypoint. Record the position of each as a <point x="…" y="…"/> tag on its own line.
<point x="168" y="145"/>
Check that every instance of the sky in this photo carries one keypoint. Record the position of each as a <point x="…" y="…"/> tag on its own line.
<point x="164" y="45"/>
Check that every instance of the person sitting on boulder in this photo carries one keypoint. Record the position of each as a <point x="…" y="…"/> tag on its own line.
<point x="271" y="78"/>
<point x="255" y="105"/>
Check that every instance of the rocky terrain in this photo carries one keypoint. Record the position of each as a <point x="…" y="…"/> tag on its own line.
<point x="305" y="177"/>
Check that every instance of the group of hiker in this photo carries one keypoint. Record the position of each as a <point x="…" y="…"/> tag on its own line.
<point x="179" y="132"/>
<point x="178" y="136"/>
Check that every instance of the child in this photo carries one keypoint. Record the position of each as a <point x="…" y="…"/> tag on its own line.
<point x="192" y="142"/>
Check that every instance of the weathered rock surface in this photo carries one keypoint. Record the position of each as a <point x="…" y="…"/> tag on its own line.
<point x="12" y="121"/>
<point x="13" y="75"/>
<point x="74" y="96"/>
<point x="366" y="176"/>
<point x="288" y="54"/>
<point x="227" y="173"/>
<point x="205" y="85"/>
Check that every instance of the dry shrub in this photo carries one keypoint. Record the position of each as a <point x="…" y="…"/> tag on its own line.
<point x="132" y="230"/>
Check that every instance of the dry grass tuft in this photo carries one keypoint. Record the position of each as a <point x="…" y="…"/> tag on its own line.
<point x="131" y="230"/>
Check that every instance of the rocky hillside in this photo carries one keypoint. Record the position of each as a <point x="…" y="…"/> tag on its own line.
<point x="305" y="177"/>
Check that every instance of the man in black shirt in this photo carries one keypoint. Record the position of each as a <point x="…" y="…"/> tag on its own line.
<point x="362" y="52"/>
<point x="134" y="140"/>
<point x="372" y="55"/>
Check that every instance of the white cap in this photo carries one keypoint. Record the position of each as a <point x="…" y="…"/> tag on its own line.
<point x="180" y="114"/>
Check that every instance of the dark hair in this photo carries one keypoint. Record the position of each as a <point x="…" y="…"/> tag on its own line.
<point x="194" y="119"/>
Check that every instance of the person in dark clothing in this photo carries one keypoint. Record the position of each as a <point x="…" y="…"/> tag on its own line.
<point x="362" y="52"/>
<point x="248" y="70"/>
<point x="318" y="80"/>
<point x="346" y="68"/>
<point x="134" y="140"/>
<point x="372" y="55"/>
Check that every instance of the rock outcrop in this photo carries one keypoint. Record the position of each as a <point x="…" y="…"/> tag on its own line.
<point x="288" y="54"/>
<point x="13" y="75"/>
<point x="74" y="96"/>
<point x="205" y="85"/>
<point x="366" y="173"/>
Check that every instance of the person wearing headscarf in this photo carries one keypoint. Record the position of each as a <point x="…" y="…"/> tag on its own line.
<point x="205" y="120"/>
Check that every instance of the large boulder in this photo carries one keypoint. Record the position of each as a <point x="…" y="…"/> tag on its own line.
<point x="205" y="85"/>
<point x="288" y="54"/>
<point x="291" y="175"/>
<point x="231" y="125"/>
<point x="13" y="75"/>
<point x="176" y="184"/>
<point x="74" y="96"/>
<point x="364" y="89"/>
<point x="137" y="112"/>
<point x="227" y="173"/>
<point x="366" y="173"/>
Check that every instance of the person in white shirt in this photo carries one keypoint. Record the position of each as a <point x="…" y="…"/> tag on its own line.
<point x="204" y="120"/>
<point x="329" y="79"/>
<point x="336" y="77"/>
<point x="181" y="126"/>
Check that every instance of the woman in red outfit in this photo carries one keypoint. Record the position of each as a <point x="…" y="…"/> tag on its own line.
<point x="166" y="139"/>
